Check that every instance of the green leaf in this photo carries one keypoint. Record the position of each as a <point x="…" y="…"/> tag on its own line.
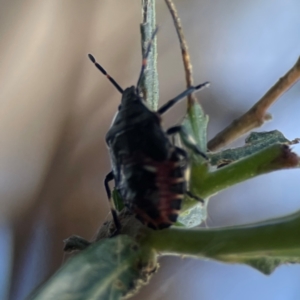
<point x="255" y="142"/>
<point x="267" y="264"/>
<point x="108" y="269"/>
<point x="195" y="123"/>
<point x="272" y="158"/>
<point x="149" y="84"/>
<point x="193" y="216"/>
<point x="264" y="152"/>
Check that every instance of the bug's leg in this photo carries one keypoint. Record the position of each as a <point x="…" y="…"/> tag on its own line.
<point x="109" y="177"/>
<point x="187" y="139"/>
<point x="185" y="160"/>
<point x="181" y="96"/>
<point x="191" y="195"/>
<point x="184" y="155"/>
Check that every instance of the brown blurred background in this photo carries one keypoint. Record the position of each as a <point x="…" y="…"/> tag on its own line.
<point x="55" y="109"/>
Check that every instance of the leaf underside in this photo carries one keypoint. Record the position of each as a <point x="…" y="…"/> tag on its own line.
<point x="109" y="269"/>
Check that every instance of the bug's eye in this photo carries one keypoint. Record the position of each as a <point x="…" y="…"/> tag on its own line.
<point x="120" y="107"/>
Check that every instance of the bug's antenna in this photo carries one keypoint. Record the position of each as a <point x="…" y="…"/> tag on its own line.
<point x="185" y="93"/>
<point x="145" y="57"/>
<point x="102" y="70"/>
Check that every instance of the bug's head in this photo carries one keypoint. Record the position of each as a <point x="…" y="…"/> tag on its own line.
<point x="129" y="97"/>
<point x="132" y="94"/>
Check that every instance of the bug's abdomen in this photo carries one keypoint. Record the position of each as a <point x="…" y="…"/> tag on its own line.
<point x="154" y="190"/>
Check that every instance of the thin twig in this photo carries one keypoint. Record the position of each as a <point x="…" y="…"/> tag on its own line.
<point x="257" y="115"/>
<point x="184" y="50"/>
<point x="149" y="84"/>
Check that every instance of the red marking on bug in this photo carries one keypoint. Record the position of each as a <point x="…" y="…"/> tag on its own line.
<point x="164" y="180"/>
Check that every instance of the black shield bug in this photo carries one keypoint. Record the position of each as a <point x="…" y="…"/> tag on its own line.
<point x="148" y="170"/>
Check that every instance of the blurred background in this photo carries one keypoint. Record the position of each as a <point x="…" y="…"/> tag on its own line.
<point x="55" y="109"/>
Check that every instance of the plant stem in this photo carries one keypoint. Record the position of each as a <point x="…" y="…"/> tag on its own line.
<point x="184" y="50"/>
<point x="276" y="237"/>
<point x="205" y="184"/>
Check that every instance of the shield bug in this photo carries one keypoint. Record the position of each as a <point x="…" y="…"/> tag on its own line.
<point x="148" y="170"/>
